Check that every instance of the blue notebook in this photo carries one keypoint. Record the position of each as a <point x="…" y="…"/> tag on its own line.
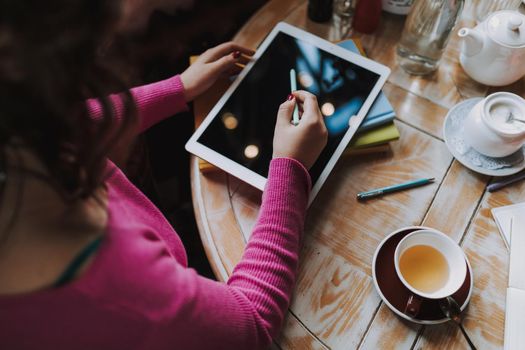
<point x="381" y="111"/>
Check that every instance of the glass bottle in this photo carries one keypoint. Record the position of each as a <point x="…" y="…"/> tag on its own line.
<point x="426" y="34"/>
<point x="343" y="13"/>
<point x="344" y="8"/>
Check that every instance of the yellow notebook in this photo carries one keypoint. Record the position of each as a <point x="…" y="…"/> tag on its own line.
<point x="377" y="136"/>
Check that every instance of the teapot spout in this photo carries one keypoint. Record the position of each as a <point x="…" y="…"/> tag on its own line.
<point x="472" y="41"/>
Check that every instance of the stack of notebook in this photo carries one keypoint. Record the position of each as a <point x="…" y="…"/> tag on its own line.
<point x="378" y="128"/>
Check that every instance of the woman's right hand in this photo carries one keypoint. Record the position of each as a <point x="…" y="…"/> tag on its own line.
<point x="305" y="141"/>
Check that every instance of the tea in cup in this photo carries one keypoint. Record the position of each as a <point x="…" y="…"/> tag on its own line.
<point x="430" y="265"/>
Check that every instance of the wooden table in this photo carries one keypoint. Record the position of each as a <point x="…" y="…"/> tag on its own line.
<point x="335" y="304"/>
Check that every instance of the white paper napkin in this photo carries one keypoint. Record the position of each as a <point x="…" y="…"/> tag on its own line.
<point x="503" y="216"/>
<point x="517" y="255"/>
<point x="515" y="304"/>
<point x="514" y="319"/>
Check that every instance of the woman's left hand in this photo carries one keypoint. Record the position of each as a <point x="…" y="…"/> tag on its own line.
<point x="226" y="59"/>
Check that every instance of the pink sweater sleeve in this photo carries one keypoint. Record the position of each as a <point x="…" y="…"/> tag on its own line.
<point x="247" y="311"/>
<point x="265" y="277"/>
<point x="155" y="102"/>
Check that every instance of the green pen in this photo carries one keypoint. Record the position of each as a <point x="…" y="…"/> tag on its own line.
<point x="394" y="188"/>
<point x="293" y="85"/>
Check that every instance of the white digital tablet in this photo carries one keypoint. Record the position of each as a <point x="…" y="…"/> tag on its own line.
<point x="237" y="134"/>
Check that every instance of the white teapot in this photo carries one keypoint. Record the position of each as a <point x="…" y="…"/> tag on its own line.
<point x="493" y="53"/>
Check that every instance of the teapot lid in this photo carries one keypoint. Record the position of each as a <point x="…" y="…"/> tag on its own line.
<point x="507" y="28"/>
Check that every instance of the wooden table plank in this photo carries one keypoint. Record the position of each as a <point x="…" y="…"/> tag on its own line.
<point x="206" y="234"/>
<point x="245" y="204"/>
<point x="233" y="184"/>
<point x="389" y="332"/>
<point x="415" y="110"/>
<point x="333" y="298"/>
<point x="336" y="208"/>
<point x="211" y="203"/>
<point x="295" y="336"/>
<point x="456" y="201"/>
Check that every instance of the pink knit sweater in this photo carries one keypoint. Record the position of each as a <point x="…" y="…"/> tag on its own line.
<point x="138" y="293"/>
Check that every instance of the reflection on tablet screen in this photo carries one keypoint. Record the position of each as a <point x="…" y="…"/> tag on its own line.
<point x="243" y="129"/>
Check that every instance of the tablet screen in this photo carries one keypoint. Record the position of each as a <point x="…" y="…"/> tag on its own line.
<point x="243" y="129"/>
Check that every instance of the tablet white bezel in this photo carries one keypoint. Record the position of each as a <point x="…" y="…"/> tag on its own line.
<point x="251" y="177"/>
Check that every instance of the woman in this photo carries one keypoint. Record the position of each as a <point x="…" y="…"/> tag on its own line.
<point x="86" y="260"/>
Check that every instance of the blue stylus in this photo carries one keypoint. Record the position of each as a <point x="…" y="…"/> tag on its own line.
<point x="394" y="188"/>
<point x="293" y="85"/>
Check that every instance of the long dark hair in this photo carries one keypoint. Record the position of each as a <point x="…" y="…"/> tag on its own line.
<point x="49" y="66"/>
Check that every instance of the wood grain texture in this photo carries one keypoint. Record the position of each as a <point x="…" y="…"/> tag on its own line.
<point x="296" y="337"/>
<point x="233" y="184"/>
<point x="205" y="232"/>
<point x="456" y="201"/>
<point x="389" y="332"/>
<point x="363" y="224"/>
<point x="335" y="305"/>
<point x="415" y="110"/>
<point x="246" y="202"/>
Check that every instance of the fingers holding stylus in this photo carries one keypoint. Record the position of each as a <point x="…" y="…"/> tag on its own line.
<point x="309" y="111"/>
<point x="305" y="140"/>
<point x="284" y="114"/>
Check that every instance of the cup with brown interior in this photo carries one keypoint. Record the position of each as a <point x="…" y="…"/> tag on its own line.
<point x="430" y="265"/>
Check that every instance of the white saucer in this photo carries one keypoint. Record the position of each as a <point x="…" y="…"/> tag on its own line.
<point x="395" y="295"/>
<point x="452" y="132"/>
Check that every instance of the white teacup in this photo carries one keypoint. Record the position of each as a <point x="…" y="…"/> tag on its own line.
<point x="431" y="265"/>
<point x="493" y="126"/>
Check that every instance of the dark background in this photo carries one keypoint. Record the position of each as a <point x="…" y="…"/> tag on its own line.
<point x="159" y="164"/>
